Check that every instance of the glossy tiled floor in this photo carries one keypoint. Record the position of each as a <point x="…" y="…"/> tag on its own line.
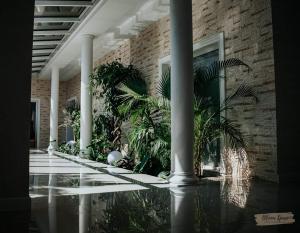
<point x="71" y="195"/>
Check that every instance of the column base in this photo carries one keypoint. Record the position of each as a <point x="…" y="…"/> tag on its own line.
<point x="183" y="179"/>
<point x="51" y="148"/>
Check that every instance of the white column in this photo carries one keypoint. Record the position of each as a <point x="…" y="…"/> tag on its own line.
<point x="182" y="89"/>
<point x="86" y="97"/>
<point x="54" y="107"/>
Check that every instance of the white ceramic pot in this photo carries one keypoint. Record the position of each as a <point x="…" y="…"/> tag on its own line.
<point x="113" y="157"/>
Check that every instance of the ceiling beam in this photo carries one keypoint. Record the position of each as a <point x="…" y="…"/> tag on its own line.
<point x="56" y="19"/>
<point x="36" y="55"/>
<point x="36" y="69"/>
<point x="38" y="63"/>
<point x="41" y="58"/>
<point x="35" y="66"/>
<point x="44" y="27"/>
<point x="46" y="42"/>
<point x="64" y="3"/>
<point x="50" y="32"/>
<point x="38" y="51"/>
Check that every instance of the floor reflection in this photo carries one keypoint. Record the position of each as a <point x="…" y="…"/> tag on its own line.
<point x="183" y="205"/>
<point x="235" y="191"/>
<point x="88" y="200"/>
<point x="52" y="204"/>
<point x="84" y="206"/>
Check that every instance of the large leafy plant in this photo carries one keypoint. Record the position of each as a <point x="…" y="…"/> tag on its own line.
<point x="150" y="134"/>
<point x="105" y="81"/>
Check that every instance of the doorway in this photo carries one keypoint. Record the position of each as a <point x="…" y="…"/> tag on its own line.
<point x="211" y="157"/>
<point x="34" y="137"/>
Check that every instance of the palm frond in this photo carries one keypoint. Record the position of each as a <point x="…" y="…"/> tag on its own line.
<point x="213" y="70"/>
<point x="164" y="86"/>
<point x="232" y="133"/>
<point x="130" y="100"/>
<point x="205" y="76"/>
<point x="136" y="84"/>
<point x="244" y="90"/>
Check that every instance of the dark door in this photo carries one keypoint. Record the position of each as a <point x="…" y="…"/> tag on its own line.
<point x="32" y="139"/>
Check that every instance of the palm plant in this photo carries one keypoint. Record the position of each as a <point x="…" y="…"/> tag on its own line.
<point x="152" y="114"/>
<point x="148" y="135"/>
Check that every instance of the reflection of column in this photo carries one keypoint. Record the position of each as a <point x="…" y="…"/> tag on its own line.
<point x="52" y="203"/>
<point x="34" y="183"/>
<point x="84" y="205"/>
<point x="182" y="210"/>
<point x="182" y="89"/>
<point x="86" y="97"/>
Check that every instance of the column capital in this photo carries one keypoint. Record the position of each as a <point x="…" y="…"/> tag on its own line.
<point x="55" y="67"/>
<point x="87" y="36"/>
<point x="55" y="72"/>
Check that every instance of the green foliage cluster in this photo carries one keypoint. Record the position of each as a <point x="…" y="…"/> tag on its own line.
<point x="150" y="132"/>
<point x="126" y="100"/>
<point x="107" y="127"/>
<point x="105" y="80"/>
<point x="102" y="138"/>
<point x="148" y="137"/>
<point x="71" y="119"/>
<point x="69" y="149"/>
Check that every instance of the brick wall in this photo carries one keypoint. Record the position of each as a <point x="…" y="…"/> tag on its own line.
<point x="41" y="89"/>
<point x="122" y="54"/>
<point x="73" y="88"/>
<point x="247" y="29"/>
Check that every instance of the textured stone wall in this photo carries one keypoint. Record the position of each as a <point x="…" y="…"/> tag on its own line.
<point x="122" y="54"/>
<point x="248" y="35"/>
<point x="41" y="89"/>
<point x="73" y="88"/>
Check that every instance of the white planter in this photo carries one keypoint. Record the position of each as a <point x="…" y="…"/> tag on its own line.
<point x="113" y="157"/>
